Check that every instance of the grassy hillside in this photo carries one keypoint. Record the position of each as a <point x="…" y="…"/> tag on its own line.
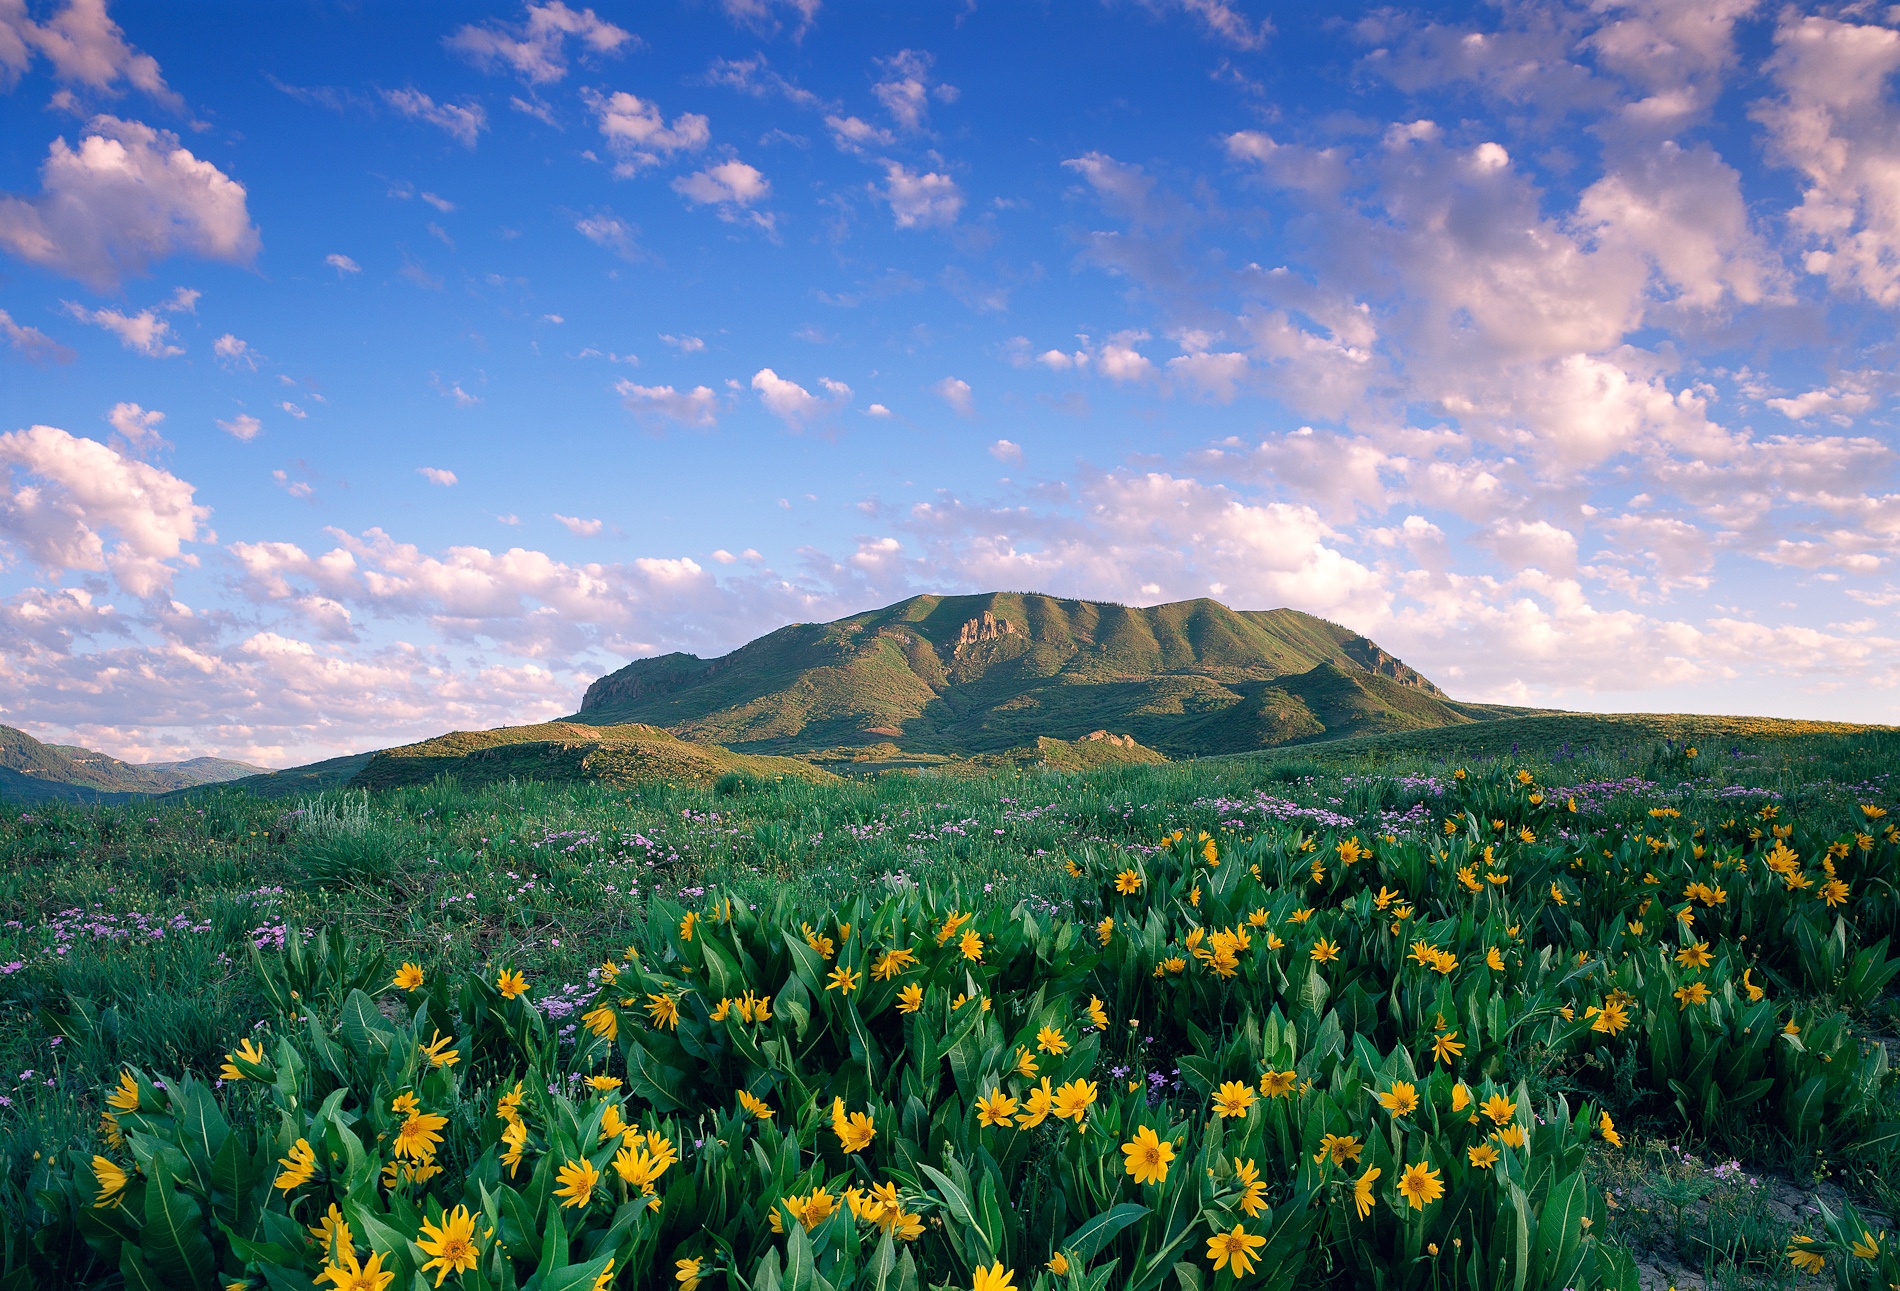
<point x="1563" y="736"/>
<point x="312" y="777"/>
<point x="987" y="673"/>
<point x="565" y="752"/>
<point x="31" y="771"/>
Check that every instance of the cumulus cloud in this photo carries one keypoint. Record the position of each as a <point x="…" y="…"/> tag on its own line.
<point x="535" y="49"/>
<point x="1836" y="124"/>
<point x="796" y="406"/>
<point x="605" y="229"/>
<point x="920" y="201"/>
<point x="142" y="333"/>
<point x="955" y="392"/>
<point x="436" y="475"/>
<point x="126" y="197"/>
<point x="85" y="48"/>
<point x="696" y="407"/>
<point x="242" y="427"/>
<point x="235" y="353"/>
<point x="763" y="16"/>
<point x="731" y="186"/>
<point x="342" y="263"/>
<point x="64" y="497"/>
<point x="137" y="426"/>
<point x="580" y="528"/>
<point x="639" y="135"/>
<point x="1007" y="451"/>
<point x="32" y="342"/>
<point x="907" y="86"/>
<point x="462" y="122"/>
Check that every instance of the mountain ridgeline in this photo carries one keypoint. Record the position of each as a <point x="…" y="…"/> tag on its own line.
<point x="966" y="675"/>
<point x="31" y="771"/>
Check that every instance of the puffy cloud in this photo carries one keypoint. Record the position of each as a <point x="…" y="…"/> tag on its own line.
<point x="1682" y="209"/>
<point x="792" y="403"/>
<point x="1223" y="21"/>
<point x="342" y="263"/>
<point x="126" y="197"/>
<point x="853" y="134"/>
<point x="580" y="528"/>
<point x="1835" y="403"/>
<point x="1528" y="544"/>
<point x="920" y="201"/>
<point x="32" y="342"/>
<point x="695" y="407"/>
<point x="762" y="16"/>
<point x="142" y="333"/>
<point x="536" y="48"/>
<point x="137" y="426"/>
<point x="906" y="87"/>
<point x="639" y="135"/>
<point x="1837" y="126"/>
<point x="604" y="229"/>
<point x="64" y="495"/>
<point x="235" y="353"/>
<point x="436" y="475"/>
<point x="1007" y="451"/>
<point x="731" y="186"/>
<point x="462" y="122"/>
<point x="956" y="393"/>
<point x="1120" y="361"/>
<point x="243" y="427"/>
<point x="85" y="48"/>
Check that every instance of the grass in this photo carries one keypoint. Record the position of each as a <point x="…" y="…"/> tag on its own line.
<point x="129" y="929"/>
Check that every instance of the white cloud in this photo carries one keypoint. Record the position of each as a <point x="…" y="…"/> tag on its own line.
<point x="85" y="47"/>
<point x="342" y="263"/>
<point x="794" y="404"/>
<point x="1225" y="22"/>
<point x="243" y="426"/>
<point x="462" y="122"/>
<point x="605" y="229"/>
<point x="1214" y="375"/>
<point x="955" y="392"/>
<point x="126" y="197"/>
<point x="906" y="88"/>
<point x="436" y="475"/>
<point x="877" y="410"/>
<point x="920" y="200"/>
<point x="77" y="491"/>
<point x="853" y="134"/>
<point x="762" y="15"/>
<point x="684" y="344"/>
<point x="32" y="342"/>
<point x="142" y="333"/>
<point x="729" y="184"/>
<point x="1120" y="361"/>
<point x="639" y="135"/>
<point x="234" y="353"/>
<point x="293" y="410"/>
<point x="1836" y="124"/>
<point x="536" y="49"/>
<point x="581" y="528"/>
<point x="695" y="407"/>
<point x="137" y="426"/>
<point x="1007" y="450"/>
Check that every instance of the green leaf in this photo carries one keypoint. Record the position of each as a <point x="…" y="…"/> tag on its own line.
<point x="202" y="1129"/>
<point x="575" y="1277"/>
<point x="957" y="1202"/>
<point x="137" y="1274"/>
<point x="1095" y="1233"/>
<point x="173" y="1241"/>
<point x="1560" y="1226"/>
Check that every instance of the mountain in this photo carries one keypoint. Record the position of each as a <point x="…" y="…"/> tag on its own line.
<point x="33" y="772"/>
<point x="569" y="752"/>
<point x="964" y="675"/>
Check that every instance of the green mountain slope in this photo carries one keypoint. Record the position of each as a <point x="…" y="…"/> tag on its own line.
<point x="987" y="673"/>
<point x="568" y="752"/>
<point x="34" y="772"/>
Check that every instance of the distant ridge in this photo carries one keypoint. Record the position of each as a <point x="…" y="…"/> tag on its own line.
<point x="966" y="675"/>
<point x="31" y="771"/>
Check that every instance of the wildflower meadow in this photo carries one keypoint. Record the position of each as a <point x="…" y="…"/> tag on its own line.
<point x="1418" y="1023"/>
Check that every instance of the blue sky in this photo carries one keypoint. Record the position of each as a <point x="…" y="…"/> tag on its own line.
<point x="372" y="370"/>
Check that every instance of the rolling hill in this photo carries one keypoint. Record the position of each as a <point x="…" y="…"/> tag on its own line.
<point x="566" y="751"/>
<point x="966" y="675"/>
<point x="31" y="771"/>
